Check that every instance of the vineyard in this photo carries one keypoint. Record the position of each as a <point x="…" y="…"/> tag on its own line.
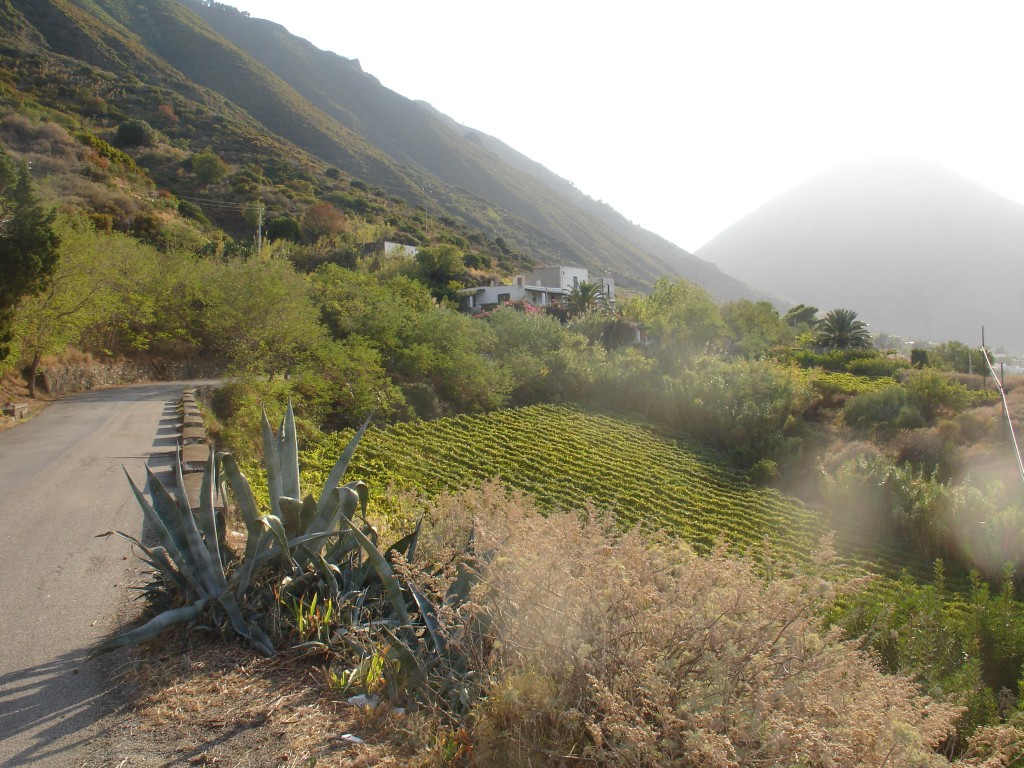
<point x="565" y="458"/>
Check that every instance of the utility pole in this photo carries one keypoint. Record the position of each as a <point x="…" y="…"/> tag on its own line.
<point x="260" y="208"/>
<point x="984" y="371"/>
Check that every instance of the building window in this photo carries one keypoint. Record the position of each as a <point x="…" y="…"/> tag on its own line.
<point x="503" y="297"/>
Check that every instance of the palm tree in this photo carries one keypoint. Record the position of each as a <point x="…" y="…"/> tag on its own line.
<point x="585" y="297"/>
<point x="840" y="329"/>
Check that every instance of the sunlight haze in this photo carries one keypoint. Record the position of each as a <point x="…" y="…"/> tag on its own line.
<point x="687" y="117"/>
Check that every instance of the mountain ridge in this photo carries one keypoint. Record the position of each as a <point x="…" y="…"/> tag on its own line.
<point x="420" y="137"/>
<point x="257" y="95"/>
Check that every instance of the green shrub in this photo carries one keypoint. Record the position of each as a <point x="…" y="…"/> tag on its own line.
<point x="872" y="410"/>
<point x="105" y="150"/>
<point x="966" y="648"/>
<point x="135" y="133"/>
<point x="192" y="211"/>
<point x="875" y="365"/>
<point x="764" y="472"/>
<point x="834" y="360"/>
<point x="833" y="384"/>
<point x="971" y="526"/>
<point x="909" y="417"/>
<point x="745" y="407"/>
<point x="931" y="392"/>
<point x="208" y="167"/>
<point x="284" y="228"/>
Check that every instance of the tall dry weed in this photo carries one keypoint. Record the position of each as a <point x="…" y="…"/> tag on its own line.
<point x="601" y="648"/>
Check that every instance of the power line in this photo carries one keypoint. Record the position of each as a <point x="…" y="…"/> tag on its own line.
<point x="1006" y="411"/>
<point x="213" y="203"/>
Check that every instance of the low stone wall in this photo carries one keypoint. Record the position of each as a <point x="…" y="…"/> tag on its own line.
<point x="66" y="378"/>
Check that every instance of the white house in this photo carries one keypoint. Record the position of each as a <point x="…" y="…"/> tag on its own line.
<point x="543" y="287"/>
<point x="390" y="250"/>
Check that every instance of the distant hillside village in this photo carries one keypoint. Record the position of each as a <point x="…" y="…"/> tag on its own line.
<point x="543" y="287"/>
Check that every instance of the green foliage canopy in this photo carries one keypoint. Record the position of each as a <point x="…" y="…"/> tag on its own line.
<point x="955" y="356"/>
<point x="442" y="269"/>
<point x="258" y="313"/>
<point x="753" y="328"/>
<point x="28" y="244"/>
<point x="208" y="167"/>
<point x="680" y="315"/>
<point x="134" y="133"/>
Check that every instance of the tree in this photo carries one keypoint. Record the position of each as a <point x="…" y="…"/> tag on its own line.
<point x="283" y="228"/>
<point x="28" y="245"/>
<point x="955" y="356"/>
<point x="322" y="220"/>
<point x="208" y="167"/>
<point x="840" y="329"/>
<point x="680" y="314"/>
<point x="134" y="133"/>
<point x="753" y="328"/>
<point x="801" y="317"/>
<point x="75" y="297"/>
<point x="586" y="297"/>
<point x="442" y="269"/>
<point x="259" y="314"/>
<point x="8" y="178"/>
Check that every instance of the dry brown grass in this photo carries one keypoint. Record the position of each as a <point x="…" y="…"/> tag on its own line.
<point x="209" y="703"/>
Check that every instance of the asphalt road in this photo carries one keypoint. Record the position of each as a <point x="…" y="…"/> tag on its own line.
<point x="61" y="588"/>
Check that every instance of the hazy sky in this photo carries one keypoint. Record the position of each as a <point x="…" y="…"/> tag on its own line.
<point x="686" y="116"/>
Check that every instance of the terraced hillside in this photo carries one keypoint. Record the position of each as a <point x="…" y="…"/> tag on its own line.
<point x="565" y="457"/>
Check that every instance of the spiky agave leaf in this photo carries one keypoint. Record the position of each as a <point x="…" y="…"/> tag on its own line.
<point x="340" y="467"/>
<point x="168" y="530"/>
<point x="385" y="574"/>
<point x="281" y="458"/>
<point x="156" y="557"/>
<point x="429" y="614"/>
<point x="155" y="626"/>
<point x="271" y="460"/>
<point x="257" y="535"/>
<point x="207" y="512"/>
<point x="288" y="454"/>
<point x="196" y="557"/>
<point x="405" y="546"/>
<point x="209" y="569"/>
<point x="291" y="515"/>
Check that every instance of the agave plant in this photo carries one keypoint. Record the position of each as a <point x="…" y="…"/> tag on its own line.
<point x="189" y="559"/>
<point x="323" y="550"/>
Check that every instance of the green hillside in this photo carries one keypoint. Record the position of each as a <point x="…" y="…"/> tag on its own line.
<point x="208" y="76"/>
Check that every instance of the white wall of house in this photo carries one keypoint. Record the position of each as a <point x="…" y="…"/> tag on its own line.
<point x="400" y="249"/>
<point x="490" y="295"/>
<point x="557" y="278"/>
<point x="543" y="286"/>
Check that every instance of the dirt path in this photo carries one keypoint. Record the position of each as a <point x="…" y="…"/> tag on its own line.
<point x="62" y="484"/>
